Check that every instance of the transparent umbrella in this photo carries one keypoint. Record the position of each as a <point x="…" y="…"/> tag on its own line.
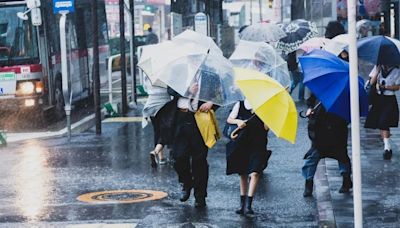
<point x="262" y="57"/>
<point x="262" y="32"/>
<point x="156" y="57"/>
<point x="212" y="74"/>
<point x="190" y="36"/>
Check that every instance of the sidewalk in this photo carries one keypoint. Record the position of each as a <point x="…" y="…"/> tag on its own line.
<point x="380" y="184"/>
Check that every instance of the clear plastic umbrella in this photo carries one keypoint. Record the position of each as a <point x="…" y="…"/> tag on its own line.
<point x="156" y="57"/>
<point x="262" y="32"/>
<point x="337" y="44"/>
<point x="190" y="36"/>
<point x="262" y="57"/>
<point x="212" y="74"/>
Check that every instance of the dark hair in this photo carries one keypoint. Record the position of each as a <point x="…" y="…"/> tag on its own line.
<point x="150" y="29"/>
<point x="333" y="29"/>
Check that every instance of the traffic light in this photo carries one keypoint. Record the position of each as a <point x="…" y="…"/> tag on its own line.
<point x="149" y="8"/>
<point x="270" y="3"/>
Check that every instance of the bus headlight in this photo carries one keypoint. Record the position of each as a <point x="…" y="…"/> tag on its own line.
<point x="26" y="88"/>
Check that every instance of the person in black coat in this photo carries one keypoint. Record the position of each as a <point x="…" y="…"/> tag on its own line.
<point x="188" y="148"/>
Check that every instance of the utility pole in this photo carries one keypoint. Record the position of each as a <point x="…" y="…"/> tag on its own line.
<point x="95" y="69"/>
<point x="123" y="57"/>
<point x="133" y="63"/>
<point x="251" y="11"/>
<point x="260" y="9"/>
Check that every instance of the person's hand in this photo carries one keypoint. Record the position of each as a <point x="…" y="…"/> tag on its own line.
<point x="194" y="88"/>
<point x="206" y="107"/>
<point x="382" y="87"/>
<point x="241" y="123"/>
<point x="309" y="112"/>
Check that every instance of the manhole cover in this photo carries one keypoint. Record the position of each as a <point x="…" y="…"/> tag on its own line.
<point x="122" y="196"/>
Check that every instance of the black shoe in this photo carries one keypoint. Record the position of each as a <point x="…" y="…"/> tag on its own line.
<point x="308" y="189"/>
<point x="347" y="184"/>
<point x="387" y="155"/>
<point x="153" y="161"/>
<point x="185" y="194"/>
<point x="200" y="202"/>
<point x="240" y="211"/>
<point x="249" y="209"/>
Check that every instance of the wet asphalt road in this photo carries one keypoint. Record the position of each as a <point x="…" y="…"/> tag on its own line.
<point x="40" y="181"/>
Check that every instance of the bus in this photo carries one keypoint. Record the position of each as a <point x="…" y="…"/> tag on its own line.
<point x="30" y="56"/>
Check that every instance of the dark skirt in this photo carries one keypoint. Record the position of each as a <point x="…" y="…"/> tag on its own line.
<point x="248" y="153"/>
<point x="383" y="114"/>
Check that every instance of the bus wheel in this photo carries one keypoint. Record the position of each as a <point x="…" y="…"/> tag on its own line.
<point x="59" y="101"/>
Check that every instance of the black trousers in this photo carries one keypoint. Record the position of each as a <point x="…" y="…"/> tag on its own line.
<point x="190" y="155"/>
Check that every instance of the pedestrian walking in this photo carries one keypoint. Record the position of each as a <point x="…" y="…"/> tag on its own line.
<point x="156" y="112"/>
<point x="328" y="134"/>
<point x="189" y="150"/>
<point x="151" y="37"/>
<point x="384" y="112"/>
<point x="247" y="155"/>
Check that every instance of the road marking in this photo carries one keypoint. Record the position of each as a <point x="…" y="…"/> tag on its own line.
<point x="123" y="119"/>
<point x="121" y="196"/>
<point x="102" y="225"/>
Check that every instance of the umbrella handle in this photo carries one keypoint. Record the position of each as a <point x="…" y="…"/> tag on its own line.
<point x="235" y="133"/>
<point x="302" y="115"/>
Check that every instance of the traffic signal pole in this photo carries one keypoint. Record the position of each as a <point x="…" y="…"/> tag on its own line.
<point x="133" y="63"/>
<point x="95" y="70"/>
<point x="124" y="99"/>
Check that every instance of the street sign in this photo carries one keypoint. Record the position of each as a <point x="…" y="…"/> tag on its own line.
<point x="63" y="6"/>
<point x="8" y="83"/>
<point x="176" y="23"/>
<point x="201" y="23"/>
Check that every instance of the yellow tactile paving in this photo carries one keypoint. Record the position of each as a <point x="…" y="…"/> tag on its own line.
<point x="123" y="119"/>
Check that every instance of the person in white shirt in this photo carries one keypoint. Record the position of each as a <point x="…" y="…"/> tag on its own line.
<point x="384" y="112"/>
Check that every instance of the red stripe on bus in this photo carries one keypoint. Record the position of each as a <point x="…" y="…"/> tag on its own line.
<point x="34" y="68"/>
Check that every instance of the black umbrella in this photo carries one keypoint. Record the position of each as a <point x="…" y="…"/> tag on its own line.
<point x="298" y="32"/>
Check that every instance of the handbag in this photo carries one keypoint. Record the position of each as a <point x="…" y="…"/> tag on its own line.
<point x="371" y="92"/>
<point x="228" y="129"/>
<point x="208" y="127"/>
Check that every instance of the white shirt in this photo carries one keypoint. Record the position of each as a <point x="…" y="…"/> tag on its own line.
<point x="392" y="79"/>
<point x="235" y="110"/>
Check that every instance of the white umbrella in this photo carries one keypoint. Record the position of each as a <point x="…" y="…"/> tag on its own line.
<point x="262" y="57"/>
<point x="337" y="44"/>
<point x="156" y="57"/>
<point x="262" y="32"/>
<point x="190" y="36"/>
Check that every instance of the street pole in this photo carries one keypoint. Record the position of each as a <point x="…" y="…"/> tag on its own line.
<point x="132" y="50"/>
<point x="355" y="114"/>
<point x="95" y="69"/>
<point x="64" y="71"/>
<point x="260" y="9"/>
<point x="123" y="57"/>
<point x="251" y="11"/>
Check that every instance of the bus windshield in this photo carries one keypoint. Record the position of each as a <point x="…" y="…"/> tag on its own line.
<point x="18" y="38"/>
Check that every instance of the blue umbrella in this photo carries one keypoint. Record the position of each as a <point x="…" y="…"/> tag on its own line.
<point x="327" y="76"/>
<point x="379" y="50"/>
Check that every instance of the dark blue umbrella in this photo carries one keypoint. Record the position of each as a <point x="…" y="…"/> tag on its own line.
<point x="379" y="50"/>
<point x="327" y="76"/>
<point x="297" y="32"/>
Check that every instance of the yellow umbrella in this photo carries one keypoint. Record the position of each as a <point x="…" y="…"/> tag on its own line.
<point x="270" y="101"/>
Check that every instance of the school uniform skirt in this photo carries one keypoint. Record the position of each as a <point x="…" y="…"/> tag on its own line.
<point x="383" y="114"/>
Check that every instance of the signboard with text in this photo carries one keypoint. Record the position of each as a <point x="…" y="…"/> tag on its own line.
<point x="8" y="84"/>
<point x="63" y="6"/>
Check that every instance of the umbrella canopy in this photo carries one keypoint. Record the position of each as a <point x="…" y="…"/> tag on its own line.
<point x="337" y="44"/>
<point x="314" y="43"/>
<point x="297" y="32"/>
<point x="270" y="101"/>
<point x="262" y="57"/>
<point x="262" y="32"/>
<point x="211" y="73"/>
<point x="327" y="76"/>
<point x="156" y="57"/>
<point x="190" y="36"/>
<point x="379" y="50"/>
<point x="363" y="27"/>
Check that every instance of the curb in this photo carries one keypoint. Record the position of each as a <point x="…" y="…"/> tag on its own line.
<point x="326" y="217"/>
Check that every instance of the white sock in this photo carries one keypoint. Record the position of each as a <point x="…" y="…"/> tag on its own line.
<point x="387" y="144"/>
